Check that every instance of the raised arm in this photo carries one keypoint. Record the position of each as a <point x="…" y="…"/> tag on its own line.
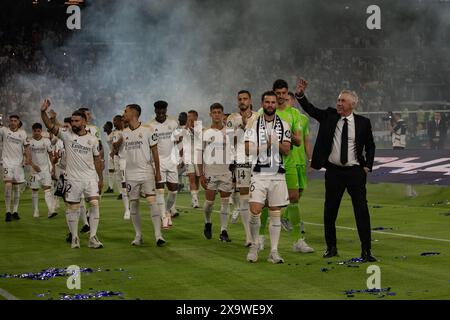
<point x="314" y="112"/>
<point x="51" y="125"/>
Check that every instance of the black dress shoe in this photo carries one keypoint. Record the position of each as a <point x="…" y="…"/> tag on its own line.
<point x="367" y="256"/>
<point x="330" y="252"/>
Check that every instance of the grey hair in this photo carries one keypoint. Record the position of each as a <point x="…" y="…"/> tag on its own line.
<point x="353" y="94"/>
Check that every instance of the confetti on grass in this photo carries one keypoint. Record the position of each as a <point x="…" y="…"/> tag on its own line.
<point x="45" y="274"/>
<point x="90" y="295"/>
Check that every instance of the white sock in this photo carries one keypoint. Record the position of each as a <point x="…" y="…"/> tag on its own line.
<point x="194" y="195"/>
<point x="156" y="219"/>
<point x="83" y="213"/>
<point x="72" y="222"/>
<point x="136" y="217"/>
<point x="243" y="208"/>
<point x="160" y="201"/>
<point x="35" y="201"/>
<point x="111" y="179"/>
<point x="255" y="224"/>
<point x="236" y="201"/>
<point x="8" y="191"/>
<point x="208" y="207"/>
<point x="274" y="231"/>
<point x="49" y="201"/>
<point x="126" y="202"/>
<point x="223" y="214"/>
<point x="171" y="198"/>
<point x="16" y="192"/>
<point x="94" y="219"/>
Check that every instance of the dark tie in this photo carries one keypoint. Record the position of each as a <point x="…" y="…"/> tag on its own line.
<point x="344" y="143"/>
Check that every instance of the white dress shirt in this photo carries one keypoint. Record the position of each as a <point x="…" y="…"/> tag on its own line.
<point x="335" y="155"/>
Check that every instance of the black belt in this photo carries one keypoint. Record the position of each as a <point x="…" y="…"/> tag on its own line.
<point x="330" y="165"/>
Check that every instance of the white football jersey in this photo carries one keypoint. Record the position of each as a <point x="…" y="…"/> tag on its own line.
<point x="234" y="122"/>
<point x="80" y="152"/>
<point x="137" y="152"/>
<point x="39" y="150"/>
<point x="217" y="153"/>
<point x="115" y="136"/>
<point x="166" y="138"/>
<point x="14" y="143"/>
<point x="93" y="130"/>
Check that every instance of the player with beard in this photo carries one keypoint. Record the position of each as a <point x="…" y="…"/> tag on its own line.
<point x="239" y="122"/>
<point x="267" y="141"/>
<point x="84" y="172"/>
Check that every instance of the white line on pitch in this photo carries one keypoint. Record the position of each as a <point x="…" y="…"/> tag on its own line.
<point x="7" y="295"/>
<point x="373" y="231"/>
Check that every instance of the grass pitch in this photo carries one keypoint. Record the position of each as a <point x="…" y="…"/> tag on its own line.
<point x="191" y="267"/>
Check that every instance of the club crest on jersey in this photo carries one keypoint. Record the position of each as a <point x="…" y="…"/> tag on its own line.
<point x="287" y="133"/>
<point x="140" y="135"/>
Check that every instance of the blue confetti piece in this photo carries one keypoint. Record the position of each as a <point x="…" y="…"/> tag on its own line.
<point x="45" y="274"/>
<point x="425" y="254"/>
<point x="370" y="291"/>
<point x="381" y="228"/>
<point x="91" y="295"/>
<point x="324" y="269"/>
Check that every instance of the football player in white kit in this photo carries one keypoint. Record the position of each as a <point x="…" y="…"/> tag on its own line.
<point x="215" y="175"/>
<point x="266" y="141"/>
<point x="108" y="128"/>
<point x="192" y="135"/>
<point x="15" y="147"/>
<point x="119" y="159"/>
<point x="141" y="171"/>
<point x="239" y="121"/>
<point x="84" y="172"/>
<point x="168" y="159"/>
<point x="41" y="152"/>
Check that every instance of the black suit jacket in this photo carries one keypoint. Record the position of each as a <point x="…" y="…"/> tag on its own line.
<point x="365" y="147"/>
<point x="442" y="128"/>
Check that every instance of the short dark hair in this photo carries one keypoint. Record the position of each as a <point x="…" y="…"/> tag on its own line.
<point x="279" y="84"/>
<point x="135" y="107"/>
<point x="268" y="93"/>
<point x="79" y="113"/>
<point x="216" y="105"/>
<point x="118" y="116"/>
<point x="108" y="124"/>
<point x="14" y="116"/>
<point x="291" y="94"/>
<point x="245" y="91"/>
<point x="160" y="104"/>
<point x="67" y="120"/>
<point x="83" y="109"/>
<point x="194" y="112"/>
<point x="182" y="118"/>
<point x="36" y="125"/>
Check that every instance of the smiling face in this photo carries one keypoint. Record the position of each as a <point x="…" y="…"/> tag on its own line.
<point x="345" y="104"/>
<point x="14" y="123"/>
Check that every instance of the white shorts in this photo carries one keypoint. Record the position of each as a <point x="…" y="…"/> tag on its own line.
<point x="169" y="171"/>
<point x="40" y="179"/>
<point x="74" y="190"/>
<point x="222" y="182"/>
<point x="134" y="188"/>
<point x="275" y="192"/>
<point x="243" y="174"/>
<point x="192" y="169"/>
<point x="14" y="174"/>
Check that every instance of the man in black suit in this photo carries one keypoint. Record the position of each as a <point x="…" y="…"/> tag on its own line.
<point x="437" y="132"/>
<point x="345" y="147"/>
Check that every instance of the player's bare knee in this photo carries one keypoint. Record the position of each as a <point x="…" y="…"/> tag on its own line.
<point x="93" y="202"/>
